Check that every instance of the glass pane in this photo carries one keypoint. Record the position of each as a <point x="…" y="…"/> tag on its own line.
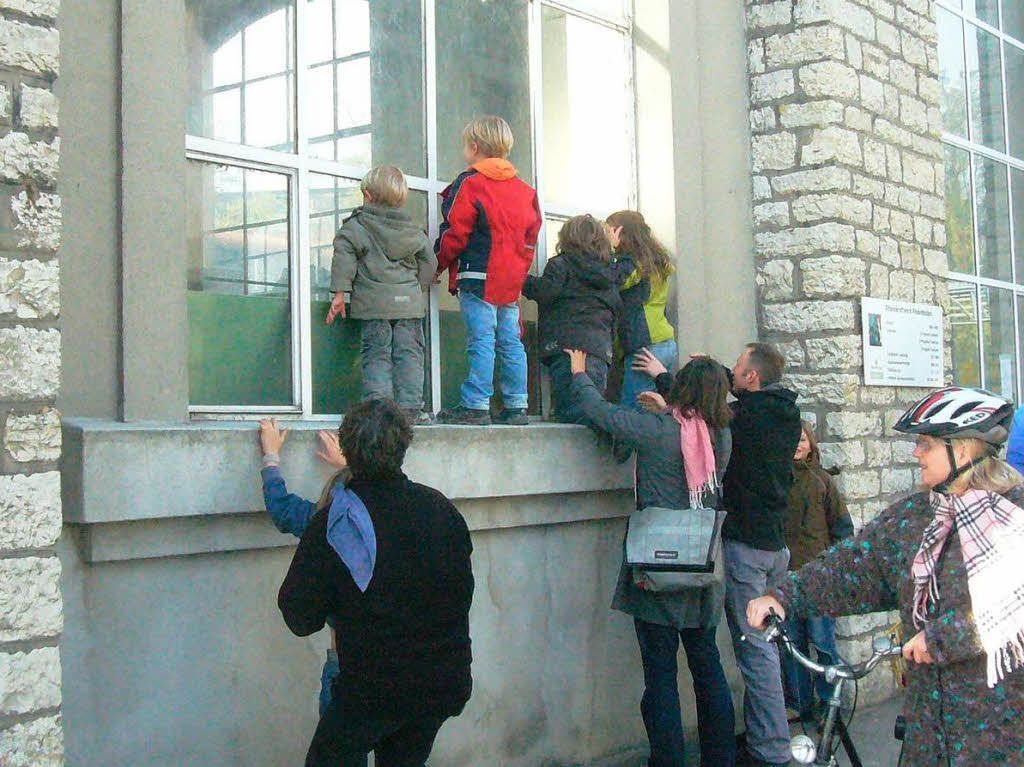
<point x="1017" y="195"/>
<point x="367" y="70"/>
<point x="959" y="211"/>
<point x="985" y="81"/>
<point x="586" y="114"/>
<point x="502" y="87"/>
<point x="1015" y="97"/>
<point x="241" y="84"/>
<point x="239" y="307"/>
<point x="963" y="318"/>
<point x="337" y="377"/>
<point x="998" y="330"/>
<point x="1013" y="19"/>
<point x="613" y="10"/>
<point x="266" y="123"/>
<point x="986" y="10"/>
<point x="952" y="77"/>
<point x="991" y="195"/>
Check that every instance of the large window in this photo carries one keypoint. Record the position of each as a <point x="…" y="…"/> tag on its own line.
<point x="981" y="62"/>
<point x="292" y="101"/>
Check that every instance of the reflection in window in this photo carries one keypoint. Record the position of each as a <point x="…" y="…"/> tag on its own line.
<point x="1015" y="98"/>
<point x="500" y="87"/>
<point x="1013" y="19"/>
<point x="990" y="190"/>
<point x="239" y="304"/>
<point x="952" y="77"/>
<point x="959" y="216"/>
<point x="997" y="327"/>
<point x="241" y="72"/>
<point x="586" y="114"/>
<point x="986" y="10"/>
<point x="365" y="82"/>
<point x="1017" y="197"/>
<point x="984" y="69"/>
<point x="963" y="319"/>
<point x="336" y="368"/>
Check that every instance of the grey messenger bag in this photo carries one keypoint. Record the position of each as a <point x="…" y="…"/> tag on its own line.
<point x="675" y="549"/>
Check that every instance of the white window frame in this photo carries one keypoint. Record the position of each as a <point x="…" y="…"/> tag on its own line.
<point x="974" y="149"/>
<point x="300" y="165"/>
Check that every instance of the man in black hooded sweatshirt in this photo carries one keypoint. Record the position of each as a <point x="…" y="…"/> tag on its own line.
<point x="765" y="433"/>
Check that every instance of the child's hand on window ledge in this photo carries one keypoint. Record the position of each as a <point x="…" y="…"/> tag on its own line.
<point x="331" y="454"/>
<point x="337" y="308"/>
<point x="577" y="360"/>
<point x="271" y="436"/>
<point x="645" y="362"/>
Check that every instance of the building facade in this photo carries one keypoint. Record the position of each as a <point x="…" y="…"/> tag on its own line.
<point x="167" y="286"/>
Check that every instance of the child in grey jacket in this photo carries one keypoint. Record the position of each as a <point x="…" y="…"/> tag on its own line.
<point x="382" y="265"/>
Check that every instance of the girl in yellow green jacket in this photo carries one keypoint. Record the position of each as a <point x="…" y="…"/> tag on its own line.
<point x="643" y="269"/>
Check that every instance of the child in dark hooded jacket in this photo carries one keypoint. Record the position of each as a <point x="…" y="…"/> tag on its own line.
<point x="816" y="518"/>
<point x="578" y="300"/>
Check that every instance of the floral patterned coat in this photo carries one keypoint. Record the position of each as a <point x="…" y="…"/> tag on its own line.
<point x="954" y="719"/>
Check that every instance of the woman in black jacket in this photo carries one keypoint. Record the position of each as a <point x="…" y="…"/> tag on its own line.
<point x="389" y="561"/>
<point x="578" y="300"/>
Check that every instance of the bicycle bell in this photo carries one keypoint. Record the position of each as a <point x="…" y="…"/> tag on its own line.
<point x="803" y="748"/>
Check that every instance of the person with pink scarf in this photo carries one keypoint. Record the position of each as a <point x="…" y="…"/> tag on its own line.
<point x="949" y="558"/>
<point x="682" y="453"/>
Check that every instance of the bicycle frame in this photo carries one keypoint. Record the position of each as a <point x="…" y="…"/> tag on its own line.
<point x="837" y="676"/>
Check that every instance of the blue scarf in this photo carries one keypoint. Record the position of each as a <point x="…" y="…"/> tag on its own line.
<point x="350" y="533"/>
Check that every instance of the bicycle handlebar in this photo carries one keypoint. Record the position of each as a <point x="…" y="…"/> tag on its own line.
<point x="882" y="648"/>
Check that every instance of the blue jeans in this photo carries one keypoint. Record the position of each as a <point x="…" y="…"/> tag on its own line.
<point x="659" y="647"/>
<point x="634" y="383"/>
<point x="493" y="331"/>
<point x="819" y="631"/>
<point x="327" y="677"/>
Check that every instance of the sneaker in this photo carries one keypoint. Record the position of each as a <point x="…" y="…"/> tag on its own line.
<point x="418" y="417"/>
<point x="511" y="416"/>
<point x="464" y="416"/>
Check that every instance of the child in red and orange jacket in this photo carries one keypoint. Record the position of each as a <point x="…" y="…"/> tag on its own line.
<point x="487" y="242"/>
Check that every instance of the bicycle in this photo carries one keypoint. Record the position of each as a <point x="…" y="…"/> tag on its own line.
<point x="823" y="753"/>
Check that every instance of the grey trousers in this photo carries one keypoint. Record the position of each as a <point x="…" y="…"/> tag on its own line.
<point x="749" y="573"/>
<point x="392" y="359"/>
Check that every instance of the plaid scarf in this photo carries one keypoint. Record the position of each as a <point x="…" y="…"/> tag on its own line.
<point x="991" y="531"/>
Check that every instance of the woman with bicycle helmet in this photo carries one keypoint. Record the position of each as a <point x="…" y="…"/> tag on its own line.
<point x="950" y="559"/>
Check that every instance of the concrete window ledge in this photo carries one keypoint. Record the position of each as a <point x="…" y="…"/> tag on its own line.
<point x="137" y="490"/>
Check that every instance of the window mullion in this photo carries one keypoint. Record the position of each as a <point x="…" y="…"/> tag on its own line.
<point x="302" y="292"/>
<point x="429" y="10"/>
<point x="536" y="72"/>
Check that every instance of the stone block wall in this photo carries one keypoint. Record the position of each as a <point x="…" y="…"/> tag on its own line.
<point x="848" y="187"/>
<point x="31" y="611"/>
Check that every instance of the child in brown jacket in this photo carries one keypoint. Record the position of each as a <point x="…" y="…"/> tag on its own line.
<point x="816" y="518"/>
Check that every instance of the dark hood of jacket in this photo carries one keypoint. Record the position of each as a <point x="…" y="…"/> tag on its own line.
<point x="391" y="230"/>
<point x="591" y="272"/>
<point x="578" y="299"/>
<point x="765" y="432"/>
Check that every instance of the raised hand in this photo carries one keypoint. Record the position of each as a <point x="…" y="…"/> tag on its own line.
<point x="331" y="453"/>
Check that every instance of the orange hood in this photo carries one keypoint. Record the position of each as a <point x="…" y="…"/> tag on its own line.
<point x="496" y="168"/>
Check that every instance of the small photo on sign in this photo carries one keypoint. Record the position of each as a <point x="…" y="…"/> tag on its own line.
<point x="875" y="329"/>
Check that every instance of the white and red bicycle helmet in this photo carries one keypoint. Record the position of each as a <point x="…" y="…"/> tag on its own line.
<point x="958" y="412"/>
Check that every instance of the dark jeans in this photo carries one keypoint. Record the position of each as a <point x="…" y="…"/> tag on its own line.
<point x="392" y="358"/>
<point x="560" y="369"/>
<point x="716" y="722"/>
<point x="345" y="738"/>
<point x="819" y="631"/>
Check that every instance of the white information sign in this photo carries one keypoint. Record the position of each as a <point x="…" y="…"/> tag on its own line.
<point x="902" y="343"/>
